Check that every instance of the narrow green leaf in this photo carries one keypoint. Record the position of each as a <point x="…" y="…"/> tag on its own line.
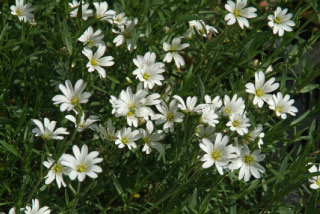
<point x="201" y="87"/>
<point x="308" y="88"/>
<point x="276" y="173"/>
<point x="9" y="148"/>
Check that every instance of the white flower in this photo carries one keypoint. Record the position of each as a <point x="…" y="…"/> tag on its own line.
<point x="96" y="61"/>
<point x="173" y="51"/>
<point x="282" y="105"/>
<point x="91" y="39"/>
<point x="120" y="19"/>
<point x="86" y="13"/>
<point x="209" y="117"/>
<point x="151" y="138"/>
<point x="83" y="124"/>
<point x="149" y="71"/>
<point x="239" y="123"/>
<point x="46" y="130"/>
<point x="143" y="61"/>
<point x="256" y="133"/>
<point x="233" y="106"/>
<point x="201" y="29"/>
<point x="218" y="153"/>
<point x="71" y="97"/>
<point x="168" y="116"/>
<point x="23" y="11"/>
<point x="315" y="181"/>
<point x="151" y="99"/>
<point x="248" y="164"/>
<point x="82" y="164"/>
<point x="56" y="172"/>
<point x="280" y="21"/>
<point x="134" y="106"/>
<point x="102" y="12"/>
<point x="35" y="209"/>
<point x="125" y="34"/>
<point x="261" y="89"/>
<point x="127" y="137"/>
<point x="214" y="103"/>
<point x="110" y="133"/>
<point x="128" y="105"/>
<point x="13" y="211"/>
<point x="237" y="12"/>
<point x="205" y="132"/>
<point x="269" y="69"/>
<point x="190" y="106"/>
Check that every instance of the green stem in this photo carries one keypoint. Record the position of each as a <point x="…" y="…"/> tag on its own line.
<point x="216" y="54"/>
<point x="77" y="198"/>
<point x="40" y="179"/>
<point x="185" y="130"/>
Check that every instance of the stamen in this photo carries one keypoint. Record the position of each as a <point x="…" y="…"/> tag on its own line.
<point x="216" y="154"/>
<point x="81" y="168"/>
<point x="248" y="159"/>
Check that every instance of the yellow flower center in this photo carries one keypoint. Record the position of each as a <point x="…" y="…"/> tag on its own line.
<point x="132" y="110"/>
<point x="235" y="123"/>
<point x="318" y="182"/>
<point x="81" y="168"/>
<point x="146" y="140"/>
<point x="227" y="110"/>
<point x="146" y="76"/>
<point x="94" y="62"/>
<point x="237" y="13"/>
<point x="57" y="168"/>
<point x="259" y="92"/>
<point x="277" y="20"/>
<point x="46" y="136"/>
<point x="279" y="109"/>
<point x="130" y="113"/>
<point x="132" y="106"/>
<point x="170" y="116"/>
<point x="125" y="140"/>
<point x="90" y="43"/>
<point x="216" y="154"/>
<point x="111" y="137"/>
<point x="74" y="101"/>
<point x="173" y="48"/>
<point x="19" y="12"/>
<point x="81" y="125"/>
<point x="248" y="159"/>
<point x="249" y="137"/>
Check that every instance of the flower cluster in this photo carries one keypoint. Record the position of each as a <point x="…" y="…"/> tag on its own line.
<point x="315" y="181"/>
<point x="79" y="166"/>
<point x="34" y="209"/>
<point x="238" y="12"/>
<point x="82" y="164"/>
<point x="261" y="89"/>
<point x="230" y="114"/>
<point x="228" y="137"/>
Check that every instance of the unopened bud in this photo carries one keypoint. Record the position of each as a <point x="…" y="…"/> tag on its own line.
<point x="136" y="196"/>
<point x="166" y="29"/>
<point x="129" y="80"/>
